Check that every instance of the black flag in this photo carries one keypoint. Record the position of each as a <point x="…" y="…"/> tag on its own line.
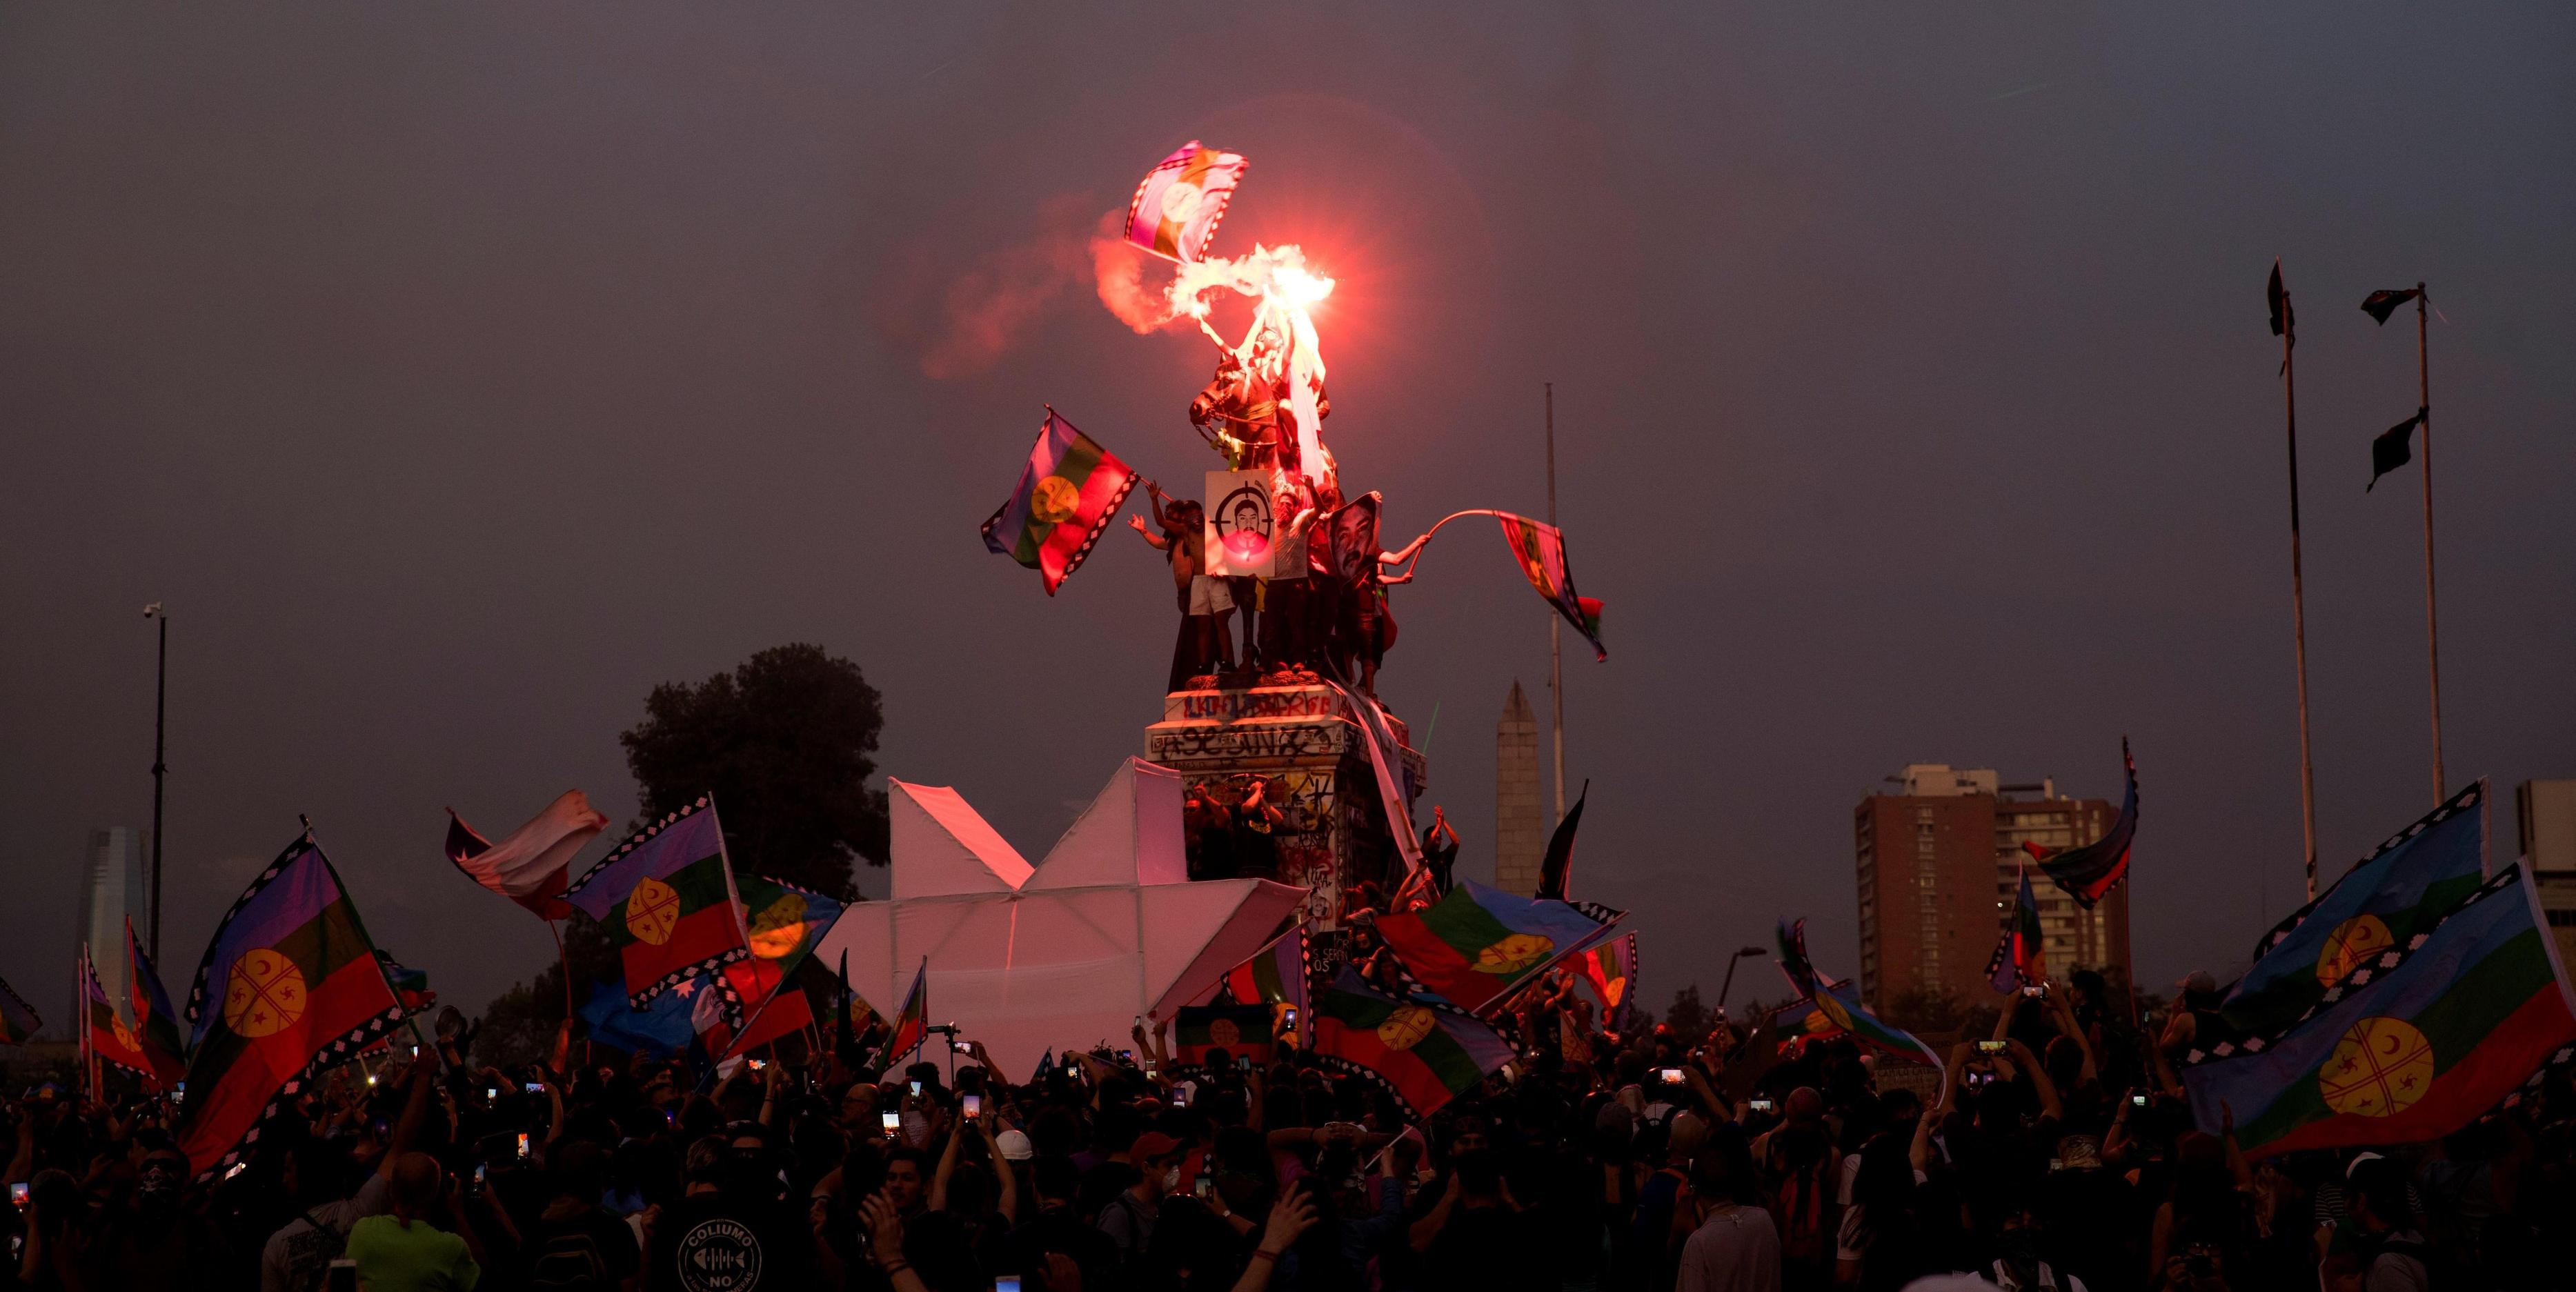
<point x="2381" y="304"/>
<point x="2393" y="448"/>
<point x="1557" y="868"/>
<point x="2283" y="322"/>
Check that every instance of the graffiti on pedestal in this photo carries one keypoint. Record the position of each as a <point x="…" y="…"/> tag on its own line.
<point x="1235" y="743"/>
<point x="1235" y="706"/>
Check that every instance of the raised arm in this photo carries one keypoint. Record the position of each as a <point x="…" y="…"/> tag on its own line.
<point x="2049" y="1104"/>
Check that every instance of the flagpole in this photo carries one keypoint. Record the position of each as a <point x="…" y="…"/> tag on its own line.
<point x="160" y="766"/>
<point x="1555" y="624"/>
<point x="2432" y="633"/>
<point x="2298" y="597"/>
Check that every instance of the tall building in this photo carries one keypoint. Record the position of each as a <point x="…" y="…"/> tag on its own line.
<point x="2545" y="821"/>
<point x="113" y="889"/>
<point x="1520" y="829"/>
<point x="1938" y="862"/>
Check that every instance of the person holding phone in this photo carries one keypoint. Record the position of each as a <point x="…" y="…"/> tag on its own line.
<point x="298" y="1256"/>
<point x="404" y="1247"/>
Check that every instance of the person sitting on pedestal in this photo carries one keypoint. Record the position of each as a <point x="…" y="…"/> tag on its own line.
<point x="1203" y="647"/>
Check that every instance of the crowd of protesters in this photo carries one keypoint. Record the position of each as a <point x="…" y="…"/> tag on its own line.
<point x="2055" y="1155"/>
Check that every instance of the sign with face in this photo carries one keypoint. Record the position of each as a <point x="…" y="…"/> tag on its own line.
<point x="1241" y="524"/>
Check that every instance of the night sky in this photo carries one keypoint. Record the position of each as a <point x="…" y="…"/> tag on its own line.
<point x="456" y="373"/>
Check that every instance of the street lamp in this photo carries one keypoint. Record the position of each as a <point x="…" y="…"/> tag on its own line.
<point x="160" y="769"/>
<point x="1729" y="984"/>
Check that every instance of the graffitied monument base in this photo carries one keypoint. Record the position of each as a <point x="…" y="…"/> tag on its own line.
<point x="1280" y="787"/>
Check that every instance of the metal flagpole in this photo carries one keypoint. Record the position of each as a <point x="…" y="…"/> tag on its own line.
<point x="2298" y="596"/>
<point x="160" y="768"/>
<point x="1555" y="621"/>
<point x="2432" y="633"/>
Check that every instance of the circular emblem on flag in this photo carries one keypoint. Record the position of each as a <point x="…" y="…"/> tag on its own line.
<point x="779" y="928"/>
<point x="1514" y="953"/>
<point x="1054" y="501"/>
<point x="124" y="1034"/>
<point x="2353" y="941"/>
<point x="652" y="911"/>
<point x="1618" y="988"/>
<point x="263" y="994"/>
<point x="2379" y="1069"/>
<point x="1224" y="1032"/>
<point x="1405" y="1028"/>
<point x="1181" y="201"/>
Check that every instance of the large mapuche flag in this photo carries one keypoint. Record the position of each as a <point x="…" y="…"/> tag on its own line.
<point x="290" y="986"/>
<point x="1068" y="493"/>
<point x="667" y="900"/>
<point x="2399" y="891"/>
<point x="1478" y="944"/>
<point x="2416" y="1041"/>
<point x="1425" y="1055"/>
<point x="1177" y="206"/>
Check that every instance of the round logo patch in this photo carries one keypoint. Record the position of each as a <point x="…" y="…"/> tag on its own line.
<point x="263" y="994"/>
<point x="652" y="911"/>
<point x="2353" y="941"/>
<point x="1405" y="1028"/>
<point x="2379" y="1069"/>
<point x="1224" y="1032"/>
<point x="1514" y="953"/>
<point x="1054" y="501"/>
<point x="719" y="1256"/>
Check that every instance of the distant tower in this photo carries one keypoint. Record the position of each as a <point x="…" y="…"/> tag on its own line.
<point x="112" y="891"/>
<point x="1520" y="836"/>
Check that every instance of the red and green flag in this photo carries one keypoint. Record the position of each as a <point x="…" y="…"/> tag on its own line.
<point x="2414" y="1042"/>
<point x="1540" y="549"/>
<point x="1068" y="493"/>
<point x="110" y="1040"/>
<point x="1242" y="1031"/>
<point x="156" y="1025"/>
<point x="770" y="1007"/>
<point x="666" y="899"/>
<point x="2019" y="960"/>
<point x="911" y="1023"/>
<point x="290" y="986"/>
<point x="1275" y="976"/>
<point x="19" y="1021"/>
<point x="1423" y="1053"/>
<point x="782" y="922"/>
<point x="1477" y="944"/>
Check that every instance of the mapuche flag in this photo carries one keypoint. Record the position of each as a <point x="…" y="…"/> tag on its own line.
<point x="19" y="1021"/>
<point x="1477" y="944"/>
<point x="2398" y="892"/>
<point x="2090" y="870"/>
<point x="1611" y="969"/>
<point x="2415" y="1042"/>
<point x="109" y="1038"/>
<point x="2020" y="960"/>
<point x="527" y="866"/>
<point x="1423" y="1054"/>
<point x="289" y="987"/>
<point x="1068" y="493"/>
<point x="1275" y="976"/>
<point x="912" y="1022"/>
<point x="1242" y="1031"/>
<point x="1540" y="549"/>
<point x="156" y="1025"/>
<point x="770" y="1008"/>
<point x="1840" y="1006"/>
<point x="782" y="922"/>
<point x="1178" y="204"/>
<point x="666" y="898"/>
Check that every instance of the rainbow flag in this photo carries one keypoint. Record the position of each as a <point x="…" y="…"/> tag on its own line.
<point x="1477" y="944"/>
<point x="2412" y="1043"/>
<point x="2020" y="959"/>
<point x="783" y="923"/>
<point x="1540" y="549"/>
<point x="156" y="1025"/>
<point x="2090" y="870"/>
<point x="19" y="1021"/>
<point x="2410" y="882"/>
<point x="1178" y="204"/>
<point x="666" y="899"/>
<point x="110" y="1040"/>
<point x="911" y="1023"/>
<point x="290" y="986"/>
<point x="1242" y="1031"/>
<point x="1423" y="1053"/>
<point x="1068" y="493"/>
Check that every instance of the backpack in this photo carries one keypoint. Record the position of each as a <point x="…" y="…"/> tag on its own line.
<point x="569" y="1262"/>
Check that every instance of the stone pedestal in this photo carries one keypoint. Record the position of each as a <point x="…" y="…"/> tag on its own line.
<point x="1310" y="756"/>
